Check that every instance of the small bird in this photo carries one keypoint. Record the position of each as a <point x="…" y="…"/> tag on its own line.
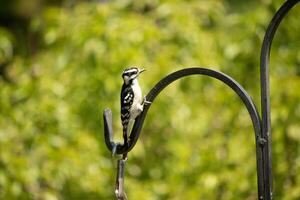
<point x="131" y="99"/>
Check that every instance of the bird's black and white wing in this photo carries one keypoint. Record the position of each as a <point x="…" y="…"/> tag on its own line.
<point x="127" y="96"/>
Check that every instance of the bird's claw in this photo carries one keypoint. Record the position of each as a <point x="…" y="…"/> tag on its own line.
<point x="145" y="102"/>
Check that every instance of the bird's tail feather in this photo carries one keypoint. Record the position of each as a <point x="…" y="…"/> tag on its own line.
<point x="125" y="133"/>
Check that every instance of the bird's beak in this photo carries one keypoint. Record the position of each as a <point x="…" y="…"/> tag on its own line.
<point x="141" y="71"/>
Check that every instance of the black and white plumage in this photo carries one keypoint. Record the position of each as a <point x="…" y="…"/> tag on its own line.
<point x="131" y="99"/>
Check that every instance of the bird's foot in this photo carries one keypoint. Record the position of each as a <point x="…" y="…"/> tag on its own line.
<point x="145" y="102"/>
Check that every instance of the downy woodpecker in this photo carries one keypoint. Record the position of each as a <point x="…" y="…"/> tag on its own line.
<point x="131" y="99"/>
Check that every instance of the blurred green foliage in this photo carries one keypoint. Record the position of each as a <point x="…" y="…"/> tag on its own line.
<point x="61" y="64"/>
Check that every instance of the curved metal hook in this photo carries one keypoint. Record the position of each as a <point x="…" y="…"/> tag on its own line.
<point x="239" y="90"/>
<point x="265" y="90"/>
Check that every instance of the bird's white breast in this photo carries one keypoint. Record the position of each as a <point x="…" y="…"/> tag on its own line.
<point x="137" y="100"/>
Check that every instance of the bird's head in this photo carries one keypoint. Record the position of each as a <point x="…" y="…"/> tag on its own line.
<point x="130" y="74"/>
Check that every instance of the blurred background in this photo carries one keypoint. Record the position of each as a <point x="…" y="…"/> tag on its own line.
<point x="61" y="65"/>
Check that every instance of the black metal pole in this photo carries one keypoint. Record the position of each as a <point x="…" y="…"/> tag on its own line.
<point x="265" y="92"/>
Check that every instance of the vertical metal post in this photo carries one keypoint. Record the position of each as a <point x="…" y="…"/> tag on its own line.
<point x="265" y="93"/>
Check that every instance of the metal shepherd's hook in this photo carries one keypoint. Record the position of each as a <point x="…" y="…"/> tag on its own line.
<point x="261" y="125"/>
